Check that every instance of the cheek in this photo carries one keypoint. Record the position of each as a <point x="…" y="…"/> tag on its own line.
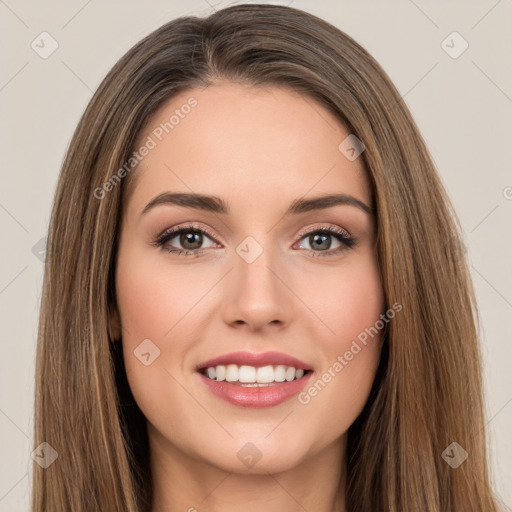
<point x="162" y="304"/>
<point x="351" y="301"/>
<point x="154" y="300"/>
<point x="351" y="347"/>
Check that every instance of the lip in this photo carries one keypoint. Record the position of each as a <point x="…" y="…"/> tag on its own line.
<point x="255" y="359"/>
<point x="255" y="397"/>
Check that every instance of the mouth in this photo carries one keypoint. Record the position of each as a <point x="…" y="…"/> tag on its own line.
<point x="247" y="379"/>
<point x="252" y="376"/>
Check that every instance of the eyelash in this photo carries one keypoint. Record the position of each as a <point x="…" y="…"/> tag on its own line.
<point x="341" y="235"/>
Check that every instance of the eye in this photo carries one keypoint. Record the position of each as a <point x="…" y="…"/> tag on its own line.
<point x="190" y="238"/>
<point x="320" y="241"/>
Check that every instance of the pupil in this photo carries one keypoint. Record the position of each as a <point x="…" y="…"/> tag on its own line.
<point x="193" y="238"/>
<point x="323" y="244"/>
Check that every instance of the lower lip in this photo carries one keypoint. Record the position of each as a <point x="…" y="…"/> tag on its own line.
<point x="266" y="396"/>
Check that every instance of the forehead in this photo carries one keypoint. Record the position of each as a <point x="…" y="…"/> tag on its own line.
<point x="248" y="144"/>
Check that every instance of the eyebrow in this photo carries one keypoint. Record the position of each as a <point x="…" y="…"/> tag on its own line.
<point x="216" y="204"/>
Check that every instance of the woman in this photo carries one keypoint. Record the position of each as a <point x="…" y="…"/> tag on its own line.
<point x="255" y="293"/>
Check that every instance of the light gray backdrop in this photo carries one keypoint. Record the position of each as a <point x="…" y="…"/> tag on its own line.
<point x="449" y="59"/>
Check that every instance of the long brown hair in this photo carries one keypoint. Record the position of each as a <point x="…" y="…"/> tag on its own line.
<point x="428" y="390"/>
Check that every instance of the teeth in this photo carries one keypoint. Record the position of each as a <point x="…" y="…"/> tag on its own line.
<point x="251" y="375"/>
<point x="220" y="372"/>
<point x="232" y="373"/>
<point x="280" y="373"/>
<point x="247" y="374"/>
<point x="290" y="373"/>
<point x="265" y="375"/>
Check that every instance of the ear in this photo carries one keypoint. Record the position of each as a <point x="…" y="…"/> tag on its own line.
<point x="114" y="324"/>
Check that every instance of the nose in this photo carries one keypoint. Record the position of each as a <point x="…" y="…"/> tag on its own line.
<point x="256" y="296"/>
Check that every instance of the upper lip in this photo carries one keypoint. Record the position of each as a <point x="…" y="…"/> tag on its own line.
<point x="255" y="359"/>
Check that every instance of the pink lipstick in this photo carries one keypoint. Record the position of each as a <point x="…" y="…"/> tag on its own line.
<point x="249" y="379"/>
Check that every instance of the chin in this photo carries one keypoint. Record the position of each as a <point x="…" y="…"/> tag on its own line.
<point x="256" y="455"/>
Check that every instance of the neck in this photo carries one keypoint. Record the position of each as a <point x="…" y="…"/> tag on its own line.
<point x="182" y="483"/>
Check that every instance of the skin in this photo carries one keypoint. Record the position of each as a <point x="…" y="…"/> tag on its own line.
<point x="258" y="149"/>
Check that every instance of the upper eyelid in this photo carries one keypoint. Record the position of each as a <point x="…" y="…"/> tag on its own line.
<point x="330" y="229"/>
<point x="172" y="232"/>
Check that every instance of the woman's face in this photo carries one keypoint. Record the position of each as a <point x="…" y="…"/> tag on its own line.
<point x="260" y="292"/>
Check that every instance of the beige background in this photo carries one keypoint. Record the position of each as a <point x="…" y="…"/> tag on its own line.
<point x="462" y="105"/>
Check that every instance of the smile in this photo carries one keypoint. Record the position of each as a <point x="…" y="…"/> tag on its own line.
<point x="246" y="379"/>
<point x="252" y="376"/>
